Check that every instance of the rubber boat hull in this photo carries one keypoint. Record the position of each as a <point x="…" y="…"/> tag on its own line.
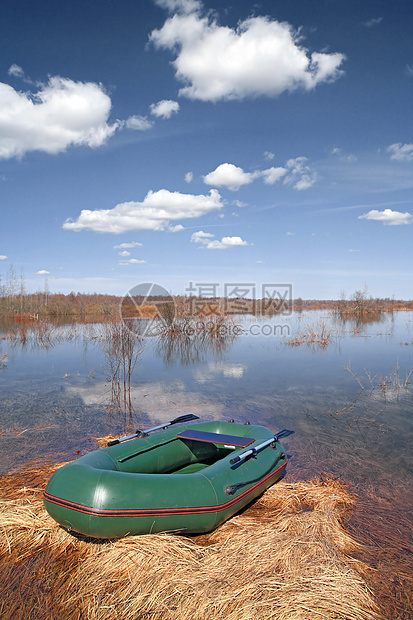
<point x="164" y="483"/>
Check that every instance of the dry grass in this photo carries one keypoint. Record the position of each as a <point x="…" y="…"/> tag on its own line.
<point x="288" y="556"/>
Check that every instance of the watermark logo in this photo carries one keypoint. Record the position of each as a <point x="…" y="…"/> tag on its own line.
<point x="240" y="298"/>
<point x="207" y="307"/>
<point x="151" y="303"/>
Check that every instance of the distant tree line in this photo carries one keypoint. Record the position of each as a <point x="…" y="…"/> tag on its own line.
<point x="17" y="302"/>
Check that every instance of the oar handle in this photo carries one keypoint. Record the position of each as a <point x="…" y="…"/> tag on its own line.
<point x="180" y="420"/>
<point x="114" y="442"/>
<point x="261" y="446"/>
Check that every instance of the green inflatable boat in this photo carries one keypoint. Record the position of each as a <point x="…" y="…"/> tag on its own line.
<point x="187" y="477"/>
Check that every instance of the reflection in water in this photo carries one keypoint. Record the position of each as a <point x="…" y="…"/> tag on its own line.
<point x="122" y="345"/>
<point x="35" y="335"/>
<point x="191" y="341"/>
<point x="357" y="322"/>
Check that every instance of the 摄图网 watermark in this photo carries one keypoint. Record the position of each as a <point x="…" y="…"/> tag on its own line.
<point x="210" y="306"/>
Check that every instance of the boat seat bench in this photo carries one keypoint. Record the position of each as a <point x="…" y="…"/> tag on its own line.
<point x="228" y="440"/>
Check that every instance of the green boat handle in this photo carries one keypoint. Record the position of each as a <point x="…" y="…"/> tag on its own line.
<point x="229" y="489"/>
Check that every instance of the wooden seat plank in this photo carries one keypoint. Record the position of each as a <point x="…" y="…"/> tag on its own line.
<point x="230" y="440"/>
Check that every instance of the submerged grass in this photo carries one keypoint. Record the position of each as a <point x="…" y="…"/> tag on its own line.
<point x="288" y="556"/>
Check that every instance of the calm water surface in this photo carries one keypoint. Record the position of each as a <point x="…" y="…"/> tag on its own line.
<point x="350" y="402"/>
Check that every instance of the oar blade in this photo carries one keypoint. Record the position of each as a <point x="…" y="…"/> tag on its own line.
<point x="283" y="433"/>
<point x="184" y="418"/>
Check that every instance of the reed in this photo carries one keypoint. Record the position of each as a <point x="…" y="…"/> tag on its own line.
<point x="315" y="335"/>
<point x="288" y="556"/>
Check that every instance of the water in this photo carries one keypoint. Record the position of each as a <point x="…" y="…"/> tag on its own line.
<point x="349" y="399"/>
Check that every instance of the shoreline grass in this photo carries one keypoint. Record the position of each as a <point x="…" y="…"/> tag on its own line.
<point x="288" y="556"/>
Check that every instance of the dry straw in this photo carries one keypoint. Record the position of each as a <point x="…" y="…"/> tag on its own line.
<point x="286" y="557"/>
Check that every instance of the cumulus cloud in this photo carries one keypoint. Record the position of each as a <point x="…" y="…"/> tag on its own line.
<point x="176" y="228"/>
<point x="189" y="177"/>
<point x="60" y="114"/>
<point x="230" y="176"/>
<point x="138" y="123"/>
<point x="164" y="108"/>
<point x="3" y="257"/>
<point x="401" y="152"/>
<point x="207" y="242"/>
<point x="388" y="217"/>
<point x="274" y="174"/>
<point x="201" y="237"/>
<point x="260" y="57"/>
<point x="124" y="253"/>
<point x="42" y="272"/>
<point x="296" y="172"/>
<point x="155" y="212"/>
<point x="225" y="243"/>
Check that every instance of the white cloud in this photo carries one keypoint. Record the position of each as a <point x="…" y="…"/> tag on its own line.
<point x="299" y="174"/>
<point x="401" y="152"/>
<point x="207" y="242"/>
<point x="155" y="212"/>
<point x="132" y="244"/>
<point x="132" y="261"/>
<point x="260" y="57"/>
<point x="201" y="237"/>
<point x="42" y="272"/>
<point x="164" y="108"/>
<point x="16" y="71"/>
<point x="124" y="253"/>
<point x="189" y="177"/>
<point x="272" y="175"/>
<point x="181" y="6"/>
<point x="225" y="243"/>
<point x="3" y="257"/>
<point x="62" y="113"/>
<point x="138" y="123"/>
<point x="296" y="173"/>
<point x="268" y="155"/>
<point x="388" y="217"/>
<point x="230" y="176"/>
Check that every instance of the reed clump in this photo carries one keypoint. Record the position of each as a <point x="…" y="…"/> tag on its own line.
<point x="288" y="556"/>
<point x="318" y="335"/>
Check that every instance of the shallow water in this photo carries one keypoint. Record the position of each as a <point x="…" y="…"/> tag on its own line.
<point x="349" y="401"/>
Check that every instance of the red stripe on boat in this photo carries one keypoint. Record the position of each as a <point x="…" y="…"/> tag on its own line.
<point x="150" y="512"/>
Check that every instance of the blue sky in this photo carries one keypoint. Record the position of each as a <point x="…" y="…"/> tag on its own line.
<point x="179" y="141"/>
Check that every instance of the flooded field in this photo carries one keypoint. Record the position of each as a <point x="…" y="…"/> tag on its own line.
<point x="345" y="388"/>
